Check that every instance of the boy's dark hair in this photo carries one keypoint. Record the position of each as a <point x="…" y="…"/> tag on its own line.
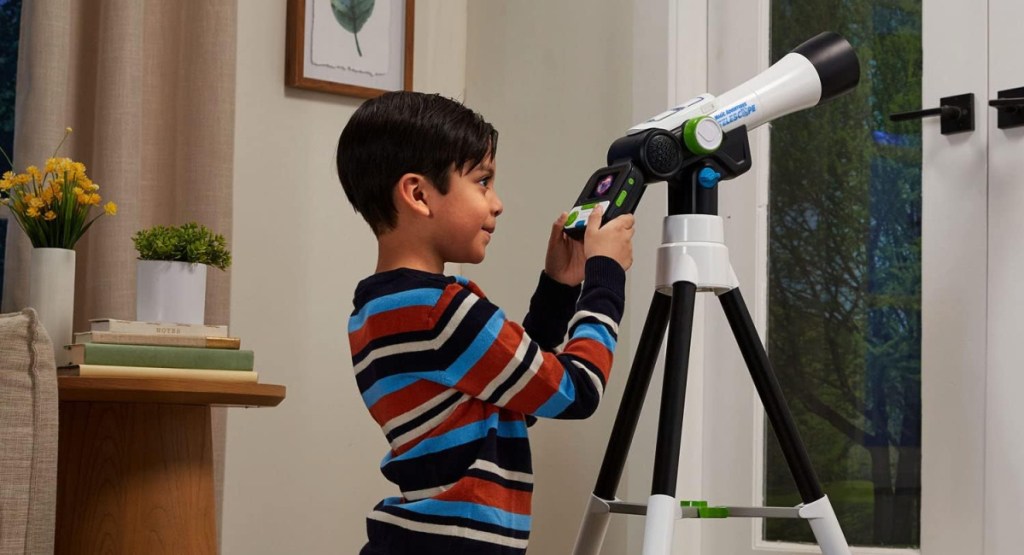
<point x="407" y="132"/>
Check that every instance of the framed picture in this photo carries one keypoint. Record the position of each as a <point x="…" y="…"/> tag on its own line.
<point x="359" y="48"/>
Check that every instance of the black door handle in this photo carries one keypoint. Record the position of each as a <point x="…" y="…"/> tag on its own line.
<point x="1011" y="108"/>
<point x="956" y="114"/>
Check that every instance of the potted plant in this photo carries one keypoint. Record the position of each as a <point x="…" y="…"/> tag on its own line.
<point x="54" y="206"/>
<point x="171" y="271"/>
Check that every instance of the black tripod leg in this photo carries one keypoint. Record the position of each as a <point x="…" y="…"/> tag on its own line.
<point x="673" y="394"/>
<point x="774" y="402"/>
<point x="633" y="397"/>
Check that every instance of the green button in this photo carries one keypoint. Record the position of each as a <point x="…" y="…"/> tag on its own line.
<point x="588" y="206"/>
<point x="621" y="198"/>
<point x="572" y="218"/>
<point x="630" y="181"/>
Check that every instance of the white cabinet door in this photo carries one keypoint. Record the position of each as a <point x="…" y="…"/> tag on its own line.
<point x="1004" y="441"/>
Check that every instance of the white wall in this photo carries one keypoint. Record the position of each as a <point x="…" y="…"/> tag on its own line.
<point x="556" y="81"/>
<point x="301" y="477"/>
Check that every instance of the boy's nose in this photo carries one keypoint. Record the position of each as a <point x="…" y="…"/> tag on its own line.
<point x="497" y="206"/>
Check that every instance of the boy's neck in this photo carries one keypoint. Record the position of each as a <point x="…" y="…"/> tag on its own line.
<point x="394" y="253"/>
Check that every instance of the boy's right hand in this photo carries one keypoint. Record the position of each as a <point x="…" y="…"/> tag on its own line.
<point x="614" y="239"/>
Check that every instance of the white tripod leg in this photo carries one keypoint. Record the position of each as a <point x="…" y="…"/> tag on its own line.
<point x="590" y="538"/>
<point x="662" y="513"/>
<point x="825" y="526"/>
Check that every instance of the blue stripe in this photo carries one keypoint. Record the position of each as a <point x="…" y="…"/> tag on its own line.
<point x="390" y="384"/>
<point x="476" y="349"/>
<point x="462" y="280"/>
<point x="562" y="398"/>
<point x="413" y="297"/>
<point x="597" y="332"/>
<point x="460" y="436"/>
<point x="464" y="509"/>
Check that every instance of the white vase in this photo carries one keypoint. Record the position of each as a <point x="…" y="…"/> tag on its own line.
<point x="52" y="294"/>
<point x="170" y="292"/>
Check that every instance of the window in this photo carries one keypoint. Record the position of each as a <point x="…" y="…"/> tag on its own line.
<point x="844" y="277"/>
<point x="10" y="25"/>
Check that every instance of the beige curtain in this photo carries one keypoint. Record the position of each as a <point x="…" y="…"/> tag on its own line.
<point x="149" y="88"/>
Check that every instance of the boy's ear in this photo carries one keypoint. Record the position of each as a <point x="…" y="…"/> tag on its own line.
<point x="413" y="192"/>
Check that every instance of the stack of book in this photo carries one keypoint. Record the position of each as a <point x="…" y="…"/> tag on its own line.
<point x="130" y="349"/>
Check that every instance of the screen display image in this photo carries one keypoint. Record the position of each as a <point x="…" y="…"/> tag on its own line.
<point x="603" y="185"/>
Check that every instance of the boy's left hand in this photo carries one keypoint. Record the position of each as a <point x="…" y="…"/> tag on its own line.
<point x="565" y="261"/>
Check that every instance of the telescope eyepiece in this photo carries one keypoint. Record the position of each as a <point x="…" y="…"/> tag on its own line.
<point x="835" y="61"/>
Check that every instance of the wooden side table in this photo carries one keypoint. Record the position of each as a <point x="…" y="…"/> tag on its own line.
<point x="135" y="462"/>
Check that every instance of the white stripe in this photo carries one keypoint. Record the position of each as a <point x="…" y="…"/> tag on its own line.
<point x="427" y="426"/>
<point x="488" y="466"/>
<point x="604" y="319"/>
<point x="447" y="530"/>
<point x="416" y="412"/>
<point x="428" y="345"/>
<point x="510" y="368"/>
<point x="426" y="493"/>
<point x="527" y="376"/>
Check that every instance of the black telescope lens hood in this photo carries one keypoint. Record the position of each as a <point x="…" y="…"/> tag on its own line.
<point x="836" y="62"/>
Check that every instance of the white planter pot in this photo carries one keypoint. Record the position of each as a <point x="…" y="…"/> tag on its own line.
<point x="170" y="292"/>
<point x="52" y="294"/>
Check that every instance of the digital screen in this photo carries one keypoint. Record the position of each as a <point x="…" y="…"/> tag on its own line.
<point x="604" y="183"/>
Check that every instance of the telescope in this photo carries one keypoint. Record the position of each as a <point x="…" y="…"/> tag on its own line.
<point x="693" y="147"/>
<point x="703" y="140"/>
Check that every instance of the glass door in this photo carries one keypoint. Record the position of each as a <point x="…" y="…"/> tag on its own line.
<point x="850" y="239"/>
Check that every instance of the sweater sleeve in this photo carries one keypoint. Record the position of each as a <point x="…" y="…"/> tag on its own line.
<point x="551" y="307"/>
<point x="494" y="359"/>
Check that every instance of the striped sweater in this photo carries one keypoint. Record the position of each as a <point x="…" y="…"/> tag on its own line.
<point x="453" y="385"/>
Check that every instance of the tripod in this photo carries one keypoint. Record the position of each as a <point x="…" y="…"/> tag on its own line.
<point x="693" y="258"/>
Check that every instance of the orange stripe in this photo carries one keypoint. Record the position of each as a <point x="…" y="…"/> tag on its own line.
<point x="399" y="320"/>
<point x="485" y="492"/>
<point x="593" y="352"/>
<point x="405" y="400"/>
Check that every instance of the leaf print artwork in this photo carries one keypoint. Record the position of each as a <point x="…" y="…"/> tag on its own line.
<point x="352" y="15"/>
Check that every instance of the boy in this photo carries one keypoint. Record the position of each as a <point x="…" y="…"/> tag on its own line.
<point x="450" y="381"/>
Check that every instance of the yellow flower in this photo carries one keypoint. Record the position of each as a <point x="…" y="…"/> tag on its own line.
<point x="78" y="190"/>
<point x="67" y="130"/>
<point x="51" y="165"/>
<point x="32" y="212"/>
<point x="110" y="209"/>
<point x="34" y="173"/>
<point x="5" y="184"/>
<point x="50" y="215"/>
<point x="48" y="195"/>
<point x="36" y="202"/>
<point x="94" y="199"/>
<point x="83" y="199"/>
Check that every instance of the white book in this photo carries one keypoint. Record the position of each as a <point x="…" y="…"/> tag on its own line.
<point x="158" y="328"/>
<point x="104" y="371"/>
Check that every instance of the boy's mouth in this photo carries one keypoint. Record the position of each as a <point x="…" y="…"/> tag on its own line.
<point x="489" y="230"/>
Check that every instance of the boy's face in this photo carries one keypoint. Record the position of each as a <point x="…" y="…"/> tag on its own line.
<point x="467" y="215"/>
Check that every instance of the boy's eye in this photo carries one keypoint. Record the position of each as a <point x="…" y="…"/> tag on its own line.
<point x="485" y="181"/>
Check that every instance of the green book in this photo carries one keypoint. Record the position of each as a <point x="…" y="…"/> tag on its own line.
<point x="160" y="357"/>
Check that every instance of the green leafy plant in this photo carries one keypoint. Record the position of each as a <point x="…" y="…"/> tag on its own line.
<point x="352" y="15"/>
<point x="191" y="243"/>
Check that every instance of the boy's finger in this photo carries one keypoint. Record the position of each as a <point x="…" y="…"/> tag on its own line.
<point x="594" y="221"/>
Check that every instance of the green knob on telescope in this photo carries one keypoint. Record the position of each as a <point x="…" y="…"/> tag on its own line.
<point x="702" y="135"/>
